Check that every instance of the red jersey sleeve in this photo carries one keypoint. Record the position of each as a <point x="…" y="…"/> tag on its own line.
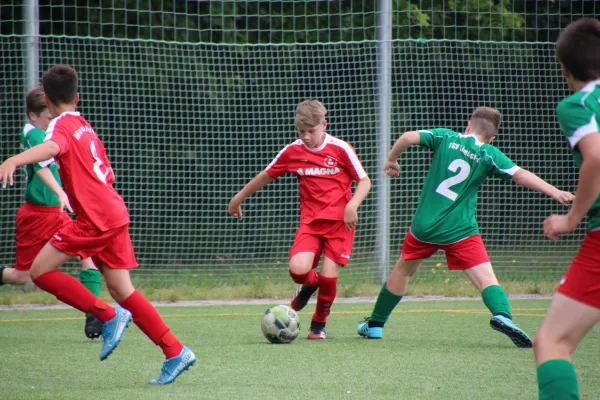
<point x="279" y="165"/>
<point x="58" y="136"/>
<point x="352" y="163"/>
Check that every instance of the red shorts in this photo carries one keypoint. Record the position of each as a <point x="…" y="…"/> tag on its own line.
<point x="464" y="254"/>
<point x="35" y="226"/>
<point x="112" y="248"/>
<point x="324" y="236"/>
<point x="582" y="280"/>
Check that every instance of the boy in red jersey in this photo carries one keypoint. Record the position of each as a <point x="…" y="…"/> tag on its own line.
<point x="325" y="168"/>
<point x="40" y="216"/>
<point x="100" y="230"/>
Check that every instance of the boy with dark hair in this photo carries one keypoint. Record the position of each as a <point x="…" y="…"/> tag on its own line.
<point x="575" y="308"/>
<point x="325" y="168"/>
<point x="100" y="230"/>
<point x="445" y="216"/>
<point x="40" y="216"/>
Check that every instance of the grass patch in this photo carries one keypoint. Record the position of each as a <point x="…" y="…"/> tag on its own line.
<point x="433" y="350"/>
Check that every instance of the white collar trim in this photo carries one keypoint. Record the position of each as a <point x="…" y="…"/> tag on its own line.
<point x="590" y="86"/>
<point x="477" y="142"/>
<point x="322" y="146"/>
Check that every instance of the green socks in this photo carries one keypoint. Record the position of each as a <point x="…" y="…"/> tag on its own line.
<point x="496" y="301"/>
<point x="386" y="302"/>
<point x="90" y="278"/>
<point x="557" y="381"/>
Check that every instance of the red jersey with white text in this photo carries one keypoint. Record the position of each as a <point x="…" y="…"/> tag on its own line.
<point x="325" y="175"/>
<point x="86" y="174"/>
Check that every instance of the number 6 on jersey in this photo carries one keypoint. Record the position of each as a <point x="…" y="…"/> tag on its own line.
<point x="101" y="175"/>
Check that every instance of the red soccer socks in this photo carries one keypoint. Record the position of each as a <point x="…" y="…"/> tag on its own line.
<point x="147" y="318"/>
<point x="70" y="291"/>
<point x="325" y="297"/>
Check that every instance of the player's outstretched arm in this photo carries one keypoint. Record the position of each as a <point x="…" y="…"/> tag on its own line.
<point x="41" y="152"/>
<point x="588" y="190"/>
<point x="407" y="139"/>
<point x="46" y="176"/>
<point x="235" y="205"/>
<point x="360" y="193"/>
<point x="534" y="182"/>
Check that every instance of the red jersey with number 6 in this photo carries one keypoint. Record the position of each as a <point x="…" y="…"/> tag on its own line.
<point x="85" y="172"/>
<point x="325" y="175"/>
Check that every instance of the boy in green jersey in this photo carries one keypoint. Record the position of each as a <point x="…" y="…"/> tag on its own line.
<point x="445" y="216"/>
<point x="575" y="308"/>
<point x="40" y="216"/>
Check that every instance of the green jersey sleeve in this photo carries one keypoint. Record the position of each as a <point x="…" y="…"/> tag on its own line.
<point x="431" y="138"/>
<point x="500" y="165"/>
<point x="33" y="138"/>
<point x="576" y="119"/>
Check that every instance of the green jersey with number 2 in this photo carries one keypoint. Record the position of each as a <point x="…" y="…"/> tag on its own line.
<point x="579" y="116"/>
<point x="448" y="201"/>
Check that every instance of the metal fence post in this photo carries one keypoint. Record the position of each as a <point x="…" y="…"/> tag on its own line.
<point x="32" y="44"/>
<point x="384" y="44"/>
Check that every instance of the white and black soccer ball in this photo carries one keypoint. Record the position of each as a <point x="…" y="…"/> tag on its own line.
<point x="280" y="324"/>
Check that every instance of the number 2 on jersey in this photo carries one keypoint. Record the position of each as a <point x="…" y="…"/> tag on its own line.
<point x="463" y="173"/>
<point x="98" y="164"/>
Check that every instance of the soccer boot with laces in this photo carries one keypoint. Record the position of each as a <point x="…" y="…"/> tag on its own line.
<point x="93" y="327"/>
<point x="301" y="296"/>
<point x="317" y="334"/>
<point x="174" y="367"/>
<point x="373" y="332"/>
<point x="112" y="331"/>
<point x="317" y="331"/>
<point x="509" y="328"/>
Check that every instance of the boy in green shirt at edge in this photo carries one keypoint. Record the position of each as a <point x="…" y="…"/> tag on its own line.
<point x="575" y="307"/>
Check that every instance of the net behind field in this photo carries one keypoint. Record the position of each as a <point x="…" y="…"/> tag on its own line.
<point x="189" y="112"/>
<point x="187" y="126"/>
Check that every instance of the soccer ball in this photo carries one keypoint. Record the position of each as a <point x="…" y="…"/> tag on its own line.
<point x="280" y="324"/>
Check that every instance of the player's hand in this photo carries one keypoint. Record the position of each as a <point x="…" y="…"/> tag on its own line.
<point x="235" y="209"/>
<point x="556" y="224"/>
<point x="350" y="216"/>
<point x="563" y="197"/>
<point x="64" y="202"/>
<point x="392" y="168"/>
<point x="7" y="171"/>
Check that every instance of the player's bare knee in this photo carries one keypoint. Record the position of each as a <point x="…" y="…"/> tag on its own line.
<point x="119" y="289"/>
<point x="406" y="269"/>
<point x="115" y="292"/>
<point x="299" y="269"/>
<point x="21" y="277"/>
<point x="35" y="271"/>
<point x="558" y="342"/>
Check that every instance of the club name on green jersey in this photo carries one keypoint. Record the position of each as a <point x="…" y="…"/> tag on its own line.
<point x="448" y="200"/>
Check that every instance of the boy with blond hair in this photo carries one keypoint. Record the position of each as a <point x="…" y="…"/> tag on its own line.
<point x="325" y="168"/>
<point x="575" y="308"/>
<point x="40" y="216"/>
<point x="445" y="216"/>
